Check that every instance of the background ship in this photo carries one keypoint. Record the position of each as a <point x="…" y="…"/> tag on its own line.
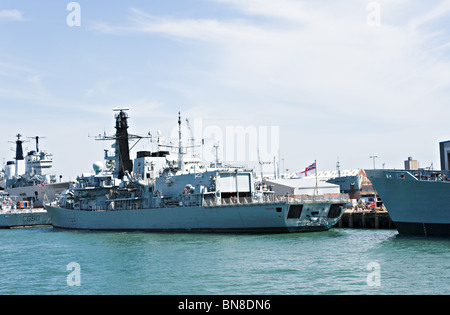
<point x="163" y="193"/>
<point x="349" y="180"/>
<point x="418" y="201"/>
<point x="28" y="182"/>
<point x="20" y="214"/>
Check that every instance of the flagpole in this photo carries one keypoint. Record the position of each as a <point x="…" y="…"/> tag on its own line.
<point x="316" y="190"/>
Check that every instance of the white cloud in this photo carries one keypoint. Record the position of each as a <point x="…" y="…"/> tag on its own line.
<point x="329" y="80"/>
<point x="320" y="55"/>
<point x="208" y="30"/>
<point x="11" y="15"/>
<point x="287" y="10"/>
<point x="439" y="11"/>
<point x="322" y="65"/>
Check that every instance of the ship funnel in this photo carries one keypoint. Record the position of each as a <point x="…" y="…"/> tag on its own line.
<point x="19" y="148"/>
<point x="20" y="161"/>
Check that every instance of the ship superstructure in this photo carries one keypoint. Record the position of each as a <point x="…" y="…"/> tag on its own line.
<point x="28" y="182"/>
<point x="29" y="177"/>
<point x="163" y="193"/>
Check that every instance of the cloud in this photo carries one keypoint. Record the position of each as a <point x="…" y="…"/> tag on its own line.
<point x="315" y="60"/>
<point x="316" y="69"/>
<point x="208" y="30"/>
<point x="283" y="10"/>
<point x="11" y="15"/>
<point x="439" y="11"/>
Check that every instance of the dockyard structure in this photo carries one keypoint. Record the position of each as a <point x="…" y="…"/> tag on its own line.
<point x="444" y="148"/>
<point x="301" y="187"/>
<point x="349" y="180"/>
<point x="411" y="165"/>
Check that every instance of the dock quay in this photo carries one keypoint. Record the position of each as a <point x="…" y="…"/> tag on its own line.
<point x="366" y="219"/>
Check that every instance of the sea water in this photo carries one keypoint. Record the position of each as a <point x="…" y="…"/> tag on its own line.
<point x="340" y="261"/>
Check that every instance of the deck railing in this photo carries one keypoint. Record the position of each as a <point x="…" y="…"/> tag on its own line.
<point x="218" y="202"/>
<point x="289" y="199"/>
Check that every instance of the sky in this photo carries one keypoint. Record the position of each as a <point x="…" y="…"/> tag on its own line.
<point x="296" y="80"/>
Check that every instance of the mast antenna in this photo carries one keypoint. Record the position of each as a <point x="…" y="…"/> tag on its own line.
<point x="37" y="141"/>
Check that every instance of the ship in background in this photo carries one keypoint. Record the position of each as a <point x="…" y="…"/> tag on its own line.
<point x="350" y="181"/>
<point x="159" y="192"/>
<point x="418" y="200"/>
<point x="27" y="183"/>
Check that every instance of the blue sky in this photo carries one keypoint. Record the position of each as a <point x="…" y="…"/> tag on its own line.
<point x="334" y="84"/>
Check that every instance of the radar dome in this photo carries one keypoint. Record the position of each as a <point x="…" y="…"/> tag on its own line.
<point x="98" y="167"/>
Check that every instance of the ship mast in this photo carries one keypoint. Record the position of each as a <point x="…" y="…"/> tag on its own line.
<point x="180" y="147"/>
<point x="122" y="146"/>
<point x="180" y="143"/>
<point x="122" y="163"/>
<point x="216" y="148"/>
<point x="36" y="138"/>
<point x="338" y="167"/>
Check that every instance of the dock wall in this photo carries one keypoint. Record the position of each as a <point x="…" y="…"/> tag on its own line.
<point x="366" y="219"/>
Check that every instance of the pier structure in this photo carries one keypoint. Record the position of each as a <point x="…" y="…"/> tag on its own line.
<point x="377" y="218"/>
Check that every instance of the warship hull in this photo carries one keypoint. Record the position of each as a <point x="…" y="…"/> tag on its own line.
<point x="270" y="218"/>
<point x="417" y="207"/>
<point x="20" y="219"/>
<point x="37" y="194"/>
<point x="164" y="194"/>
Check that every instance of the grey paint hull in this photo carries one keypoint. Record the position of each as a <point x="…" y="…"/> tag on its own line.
<point x="244" y="218"/>
<point x="24" y="219"/>
<point x="416" y="207"/>
<point x="37" y="193"/>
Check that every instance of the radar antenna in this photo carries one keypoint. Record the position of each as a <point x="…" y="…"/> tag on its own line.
<point x="37" y="141"/>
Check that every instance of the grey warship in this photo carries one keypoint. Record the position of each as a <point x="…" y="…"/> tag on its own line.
<point x="27" y="182"/>
<point x="163" y="193"/>
<point x="417" y="200"/>
<point x="20" y="214"/>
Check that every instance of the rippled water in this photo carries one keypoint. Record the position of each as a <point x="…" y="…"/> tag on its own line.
<point x="341" y="261"/>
